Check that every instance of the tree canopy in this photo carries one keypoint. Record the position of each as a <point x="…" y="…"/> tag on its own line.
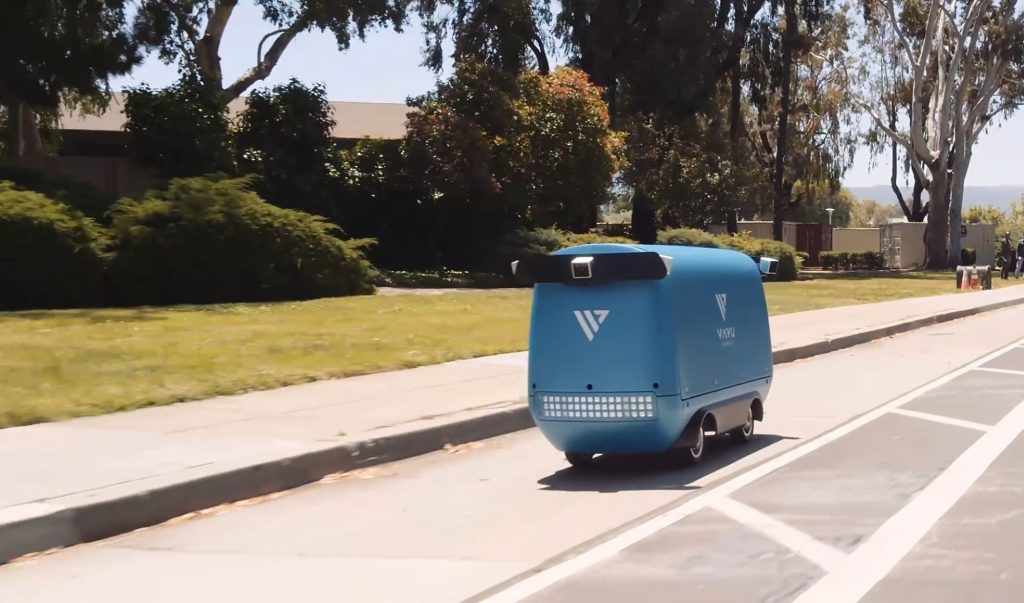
<point x="191" y="31"/>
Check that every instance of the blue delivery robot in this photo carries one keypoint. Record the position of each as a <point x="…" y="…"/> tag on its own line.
<point x="640" y="349"/>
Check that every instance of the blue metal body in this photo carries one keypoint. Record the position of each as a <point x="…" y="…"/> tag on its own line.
<point x="625" y="366"/>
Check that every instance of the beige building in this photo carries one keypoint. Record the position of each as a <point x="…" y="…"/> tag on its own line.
<point x="903" y="243"/>
<point x="854" y="240"/>
<point x="94" y="148"/>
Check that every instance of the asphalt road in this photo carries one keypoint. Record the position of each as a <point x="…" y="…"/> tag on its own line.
<point x="889" y="472"/>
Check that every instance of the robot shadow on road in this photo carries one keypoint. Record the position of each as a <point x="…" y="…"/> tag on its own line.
<point x="619" y="473"/>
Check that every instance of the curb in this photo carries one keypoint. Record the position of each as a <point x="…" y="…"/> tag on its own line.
<point x="817" y="348"/>
<point x="62" y="527"/>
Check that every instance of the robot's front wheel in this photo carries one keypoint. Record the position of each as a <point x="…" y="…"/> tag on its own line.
<point x="579" y="459"/>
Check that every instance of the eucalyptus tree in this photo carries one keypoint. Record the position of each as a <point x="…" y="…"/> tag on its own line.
<point x="962" y="60"/>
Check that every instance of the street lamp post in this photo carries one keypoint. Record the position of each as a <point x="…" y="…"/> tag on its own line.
<point x="829" y="210"/>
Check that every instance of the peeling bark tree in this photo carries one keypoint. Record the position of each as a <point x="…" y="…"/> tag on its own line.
<point x="191" y="31"/>
<point x="957" y="63"/>
<point x="984" y="91"/>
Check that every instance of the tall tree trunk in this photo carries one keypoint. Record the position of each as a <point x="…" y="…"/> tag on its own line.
<point x="936" y="234"/>
<point x="644" y="223"/>
<point x="15" y="129"/>
<point x="735" y="112"/>
<point x="956" y="206"/>
<point x="33" y="140"/>
<point x="919" y="211"/>
<point x="789" y="38"/>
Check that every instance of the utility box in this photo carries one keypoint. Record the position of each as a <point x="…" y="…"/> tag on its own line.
<point x="646" y="348"/>
<point x="978" y="277"/>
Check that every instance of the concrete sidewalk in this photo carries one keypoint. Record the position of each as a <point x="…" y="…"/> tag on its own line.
<point x="86" y="479"/>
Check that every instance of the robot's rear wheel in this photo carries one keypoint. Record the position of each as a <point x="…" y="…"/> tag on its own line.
<point x="579" y="459"/>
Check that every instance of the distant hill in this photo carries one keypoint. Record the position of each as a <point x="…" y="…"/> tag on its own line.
<point x="999" y="196"/>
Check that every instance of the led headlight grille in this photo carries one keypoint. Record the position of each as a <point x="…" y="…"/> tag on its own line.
<point x="597" y="407"/>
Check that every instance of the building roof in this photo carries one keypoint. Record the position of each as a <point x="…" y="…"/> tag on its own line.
<point x="354" y="120"/>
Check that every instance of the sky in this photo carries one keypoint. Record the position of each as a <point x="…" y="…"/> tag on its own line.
<point x="386" y="67"/>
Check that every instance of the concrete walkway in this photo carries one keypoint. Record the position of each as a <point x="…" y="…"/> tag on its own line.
<point x="85" y="479"/>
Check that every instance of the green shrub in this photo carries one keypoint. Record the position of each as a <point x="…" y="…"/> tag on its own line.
<point x="549" y="240"/>
<point x="207" y="240"/>
<point x="79" y="196"/>
<point x="870" y="260"/>
<point x="829" y="260"/>
<point x="968" y="256"/>
<point x="687" y="236"/>
<point x="573" y="239"/>
<point x="51" y="256"/>
<point x="755" y="248"/>
<point x="859" y="260"/>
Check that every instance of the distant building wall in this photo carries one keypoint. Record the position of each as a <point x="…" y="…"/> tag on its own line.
<point x="903" y="244"/>
<point x="853" y="240"/>
<point x="119" y="176"/>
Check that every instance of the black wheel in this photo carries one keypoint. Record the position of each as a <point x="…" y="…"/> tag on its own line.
<point x="579" y="459"/>
<point x="742" y="435"/>
<point x="693" y="456"/>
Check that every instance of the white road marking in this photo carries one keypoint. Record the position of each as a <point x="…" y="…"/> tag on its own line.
<point x="874" y="559"/>
<point x="609" y="548"/>
<point x="826" y="557"/>
<point x="999" y="370"/>
<point x="927" y="416"/>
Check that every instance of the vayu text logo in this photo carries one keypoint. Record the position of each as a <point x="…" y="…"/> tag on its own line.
<point x="590" y="321"/>
<point x="725" y="334"/>
<point x="721" y="298"/>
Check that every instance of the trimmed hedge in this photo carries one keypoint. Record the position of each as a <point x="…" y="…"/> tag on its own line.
<point x="204" y="240"/>
<point x="858" y="260"/>
<point x="789" y="264"/>
<point x="51" y="256"/>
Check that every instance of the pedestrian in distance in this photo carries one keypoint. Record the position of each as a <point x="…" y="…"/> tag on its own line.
<point x="1020" y="257"/>
<point x="1005" y="254"/>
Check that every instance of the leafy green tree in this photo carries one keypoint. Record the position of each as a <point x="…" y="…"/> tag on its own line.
<point x="191" y="31"/>
<point x="988" y="214"/>
<point x="284" y="136"/>
<point x="799" y="106"/>
<point x="182" y="130"/>
<point x="498" y="152"/>
<point x="685" y="176"/>
<point x="657" y="57"/>
<point x="872" y="213"/>
<point x="58" y="50"/>
<point x="572" y="154"/>
<point x="509" y="35"/>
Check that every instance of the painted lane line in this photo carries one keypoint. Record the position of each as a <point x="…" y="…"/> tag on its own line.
<point x="556" y="573"/>
<point x="880" y="553"/>
<point x="927" y="416"/>
<point x="824" y="556"/>
<point x="999" y="370"/>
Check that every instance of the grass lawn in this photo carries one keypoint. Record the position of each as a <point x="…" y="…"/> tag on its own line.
<point x="60" y="364"/>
